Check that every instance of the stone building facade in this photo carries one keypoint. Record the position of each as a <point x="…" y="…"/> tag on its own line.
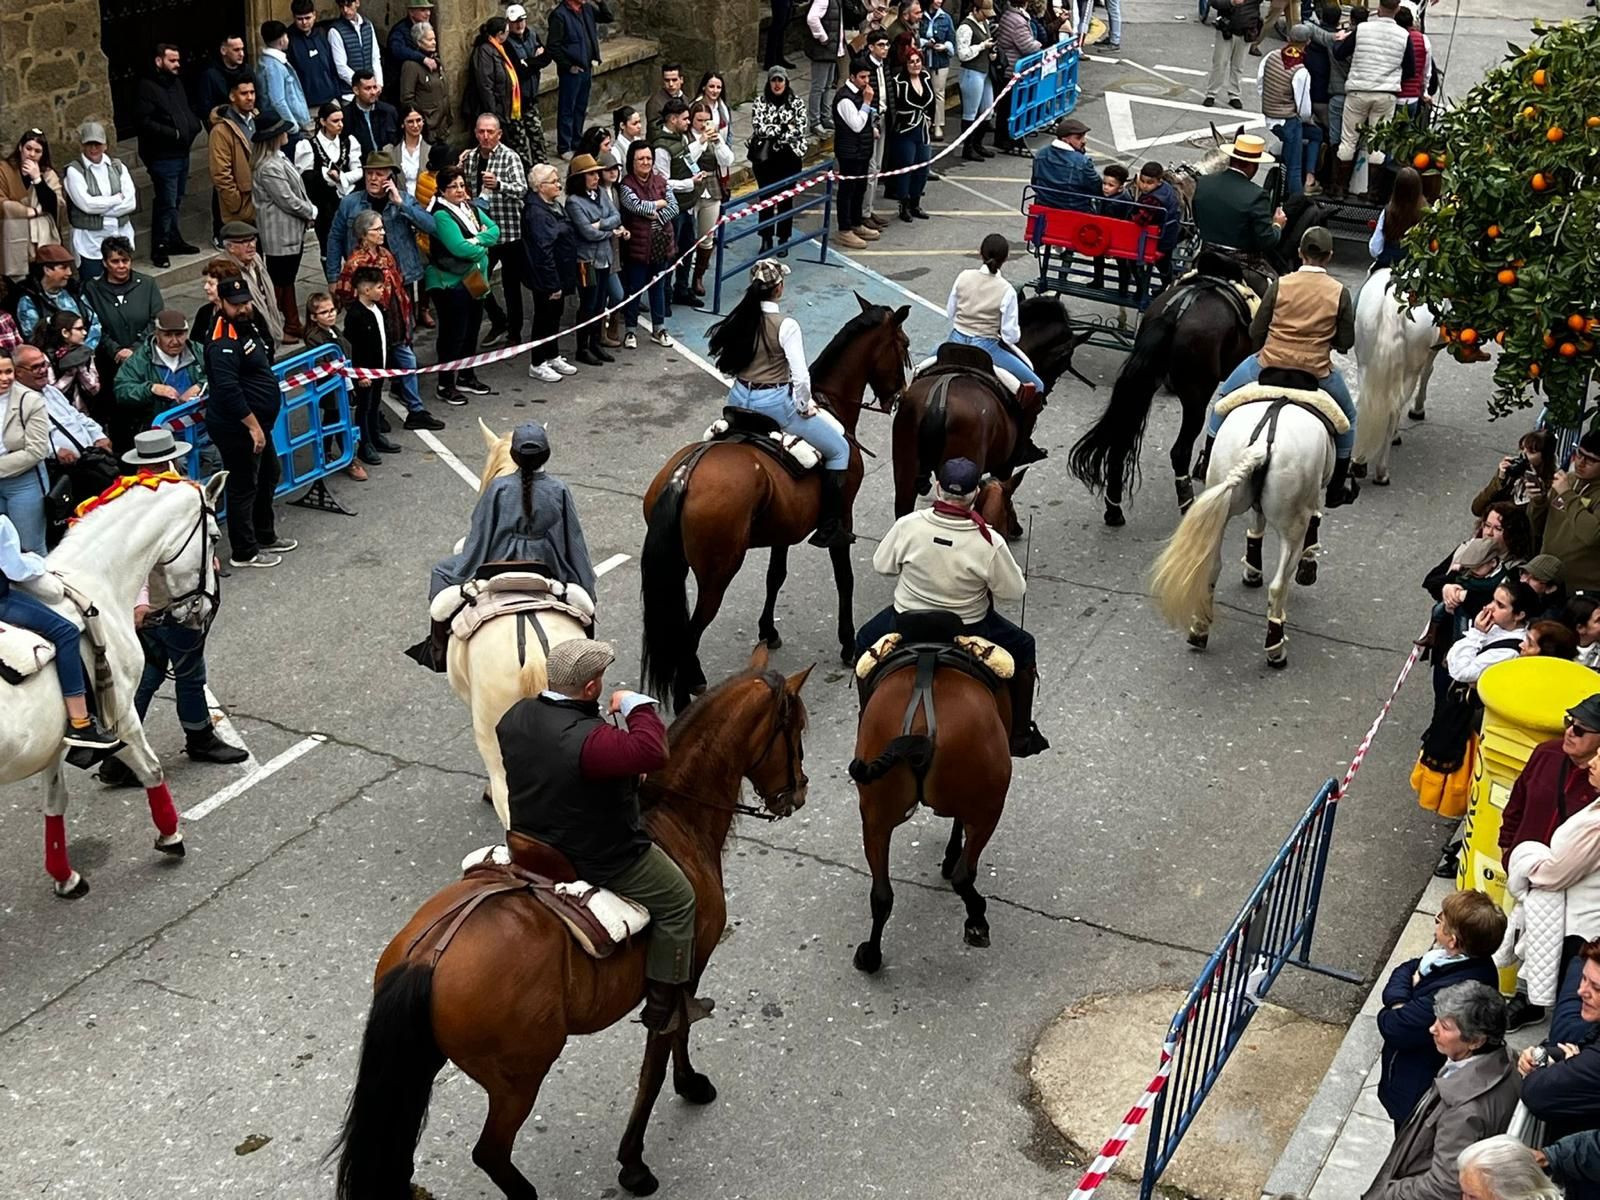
<point x="66" y="61"/>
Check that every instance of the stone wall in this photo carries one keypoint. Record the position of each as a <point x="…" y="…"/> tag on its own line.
<point x="52" y="73"/>
<point x="701" y="36"/>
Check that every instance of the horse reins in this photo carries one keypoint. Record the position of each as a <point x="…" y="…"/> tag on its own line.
<point x="780" y="727"/>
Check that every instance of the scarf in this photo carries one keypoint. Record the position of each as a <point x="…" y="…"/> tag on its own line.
<point x="946" y="509"/>
<point x="516" y="84"/>
<point x="466" y="216"/>
<point x="1292" y="58"/>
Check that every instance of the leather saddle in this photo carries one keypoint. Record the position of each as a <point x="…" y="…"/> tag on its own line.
<point x="762" y="432"/>
<point x="957" y="358"/>
<point x="927" y="641"/>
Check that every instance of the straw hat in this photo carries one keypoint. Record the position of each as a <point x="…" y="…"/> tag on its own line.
<point x="1247" y="147"/>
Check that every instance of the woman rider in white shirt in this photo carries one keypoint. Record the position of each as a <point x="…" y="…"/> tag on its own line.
<point x="983" y="312"/>
<point x="765" y="354"/>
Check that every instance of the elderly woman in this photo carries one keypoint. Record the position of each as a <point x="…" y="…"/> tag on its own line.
<point x="649" y="210"/>
<point x="426" y="90"/>
<point x="1502" y="1168"/>
<point x="370" y="251"/>
<point x="283" y="214"/>
<point x="329" y="162"/>
<point x="24" y="445"/>
<point x="1472" y="1097"/>
<point x="551" y="252"/>
<point x="595" y="220"/>
<point x="33" y="205"/>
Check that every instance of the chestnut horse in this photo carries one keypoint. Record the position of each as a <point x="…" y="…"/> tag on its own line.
<point x="510" y="989"/>
<point x="974" y="425"/>
<point x="733" y="498"/>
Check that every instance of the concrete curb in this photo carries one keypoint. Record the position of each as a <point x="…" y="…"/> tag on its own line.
<point x="1312" y="1144"/>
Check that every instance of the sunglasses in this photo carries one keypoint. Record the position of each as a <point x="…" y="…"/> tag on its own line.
<point x="1578" y="729"/>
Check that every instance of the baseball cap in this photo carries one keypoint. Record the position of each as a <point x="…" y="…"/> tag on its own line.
<point x="516" y="13"/>
<point x="529" y="437"/>
<point x="90" y="132"/>
<point x="1317" y="240"/>
<point x="777" y="72"/>
<point x="958" y="476"/>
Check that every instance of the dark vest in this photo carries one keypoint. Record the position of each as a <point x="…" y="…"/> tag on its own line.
<point x="676" y="145"/>
<point x="847" y="143"/>
<point x="825" y="52"/>
<point x="312" y="61"/>
<point x="595" y="823"/>
<point x="980" y="33"/>
<point x="359" y="47"/>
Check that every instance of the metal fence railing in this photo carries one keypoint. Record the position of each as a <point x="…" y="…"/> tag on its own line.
<point x="1273" y="930"/>
<point x="765" y="221"/>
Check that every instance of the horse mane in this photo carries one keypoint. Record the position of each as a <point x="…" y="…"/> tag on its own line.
<point x="686" y="730"/>
<point x="1043" y="307"/>
<point x="121" y="486"/>
<point x="859" y="325"/>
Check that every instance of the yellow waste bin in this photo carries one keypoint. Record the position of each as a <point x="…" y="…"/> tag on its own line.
<point x="1524" y="701"/>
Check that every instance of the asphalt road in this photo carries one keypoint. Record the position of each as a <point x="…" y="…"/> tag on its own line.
<point x="180" y="1009"/>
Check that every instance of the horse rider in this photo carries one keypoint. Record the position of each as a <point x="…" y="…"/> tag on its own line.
<point x="1302" y="319"/>
<point x="766" y="355"/>
<point x="21" y="610"/>
<point x="1231" y="212"/>
<point x="573" y="783"/>
<point x="946" y="558"/>
<point x="527" y="517"/>
<point x="983" y="312"/>
<point x="170" y="649"/>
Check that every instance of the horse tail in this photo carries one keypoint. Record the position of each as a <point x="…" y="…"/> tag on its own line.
<point x="1180" y="580"/>
<point x="913" y="749"/>
<point x="931" y="433"/>
<point x="1109" y="453"/>
<point x="663" y="588"/>
<point x="389" y="1106"/>
<point x="1381" y="346"/>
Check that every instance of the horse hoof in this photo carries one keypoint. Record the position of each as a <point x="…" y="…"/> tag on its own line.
<point x="977" y="936"/>
<point x="772" y="640"/>
<point x="1114" y="517"/>
<point x="696" y="1089"/>
<point x="847" y="656"/>
<point x="1277" y="658"/>
<point x="1358" y="470"/>
<point x="1252" y="579"/>
<point x="868" y="958"/>
<point x="1416" y="414"/>
<point x="173" y="848"/>
<point x="1306" y="573"/>
<point x="75" y="888"/>
<point x="638" y="1180"/>
<point x="1197" y="641"/>
<point x="1380" y="479"/>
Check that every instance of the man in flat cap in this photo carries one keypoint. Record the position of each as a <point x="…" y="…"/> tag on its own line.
<point x="1064" y="176"/>
<point x="573" y="782"/>
<point x="163" y="371"/>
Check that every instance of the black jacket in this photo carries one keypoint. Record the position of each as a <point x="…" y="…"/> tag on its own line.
<point x="167" y="124"/>
<point x="1410" y="1059"/>
<point x="549" y="247"/>
<point x="361" y="331"/>
<point x="215" y="81"/>
<point x="385" y="130"/>
<point x="240" y="378"/>
<point x="1566" y="1094"/>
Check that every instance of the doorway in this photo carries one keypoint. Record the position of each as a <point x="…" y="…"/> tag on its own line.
<point x="131" y="29"/>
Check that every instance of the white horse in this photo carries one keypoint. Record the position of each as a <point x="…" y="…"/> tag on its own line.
<point x="165" y="533"/>
<point x="1275" y="466"/>
<point x="1395" y="348"/>
<point x="490" y="671"/>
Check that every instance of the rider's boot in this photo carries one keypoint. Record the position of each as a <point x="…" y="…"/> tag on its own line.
<point x="1341" y="488"/>
<point x="439" y="643"/>
<point x="89" y="734"/>
<point x="668" y="1007"/>
<point x="1342" y="171"/>
<point x="1203" y="463"/>
<point x="831" y="530"/>
<point x="1026" y="740"/>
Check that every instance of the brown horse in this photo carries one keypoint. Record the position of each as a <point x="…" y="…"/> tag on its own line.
<point x="512" y="986"/>
<point x="974" y="424"/>
<point x="732" y="498"/>
<point x="963" y="773"/>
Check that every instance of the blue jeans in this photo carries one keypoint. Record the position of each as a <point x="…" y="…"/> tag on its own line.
<point x="169" y="177"/>
<point x="572" y="101"/>
<point x="991" y="625"/>
<point x="820" y="429"/>
<point x="1002" y="357"/>
<point x="1113" y="19"/>
<point x="183" y="651"/>
<point x="27" y="613"/>
<point x="22" y="499"/>
<point x="904" y="150"/>
<point x="633" y="277"/>
<point x="1333" y="383"/>
<point x="403" y="357"/>
<point x="977" y="93"/>
<point x="1302" y="143"/>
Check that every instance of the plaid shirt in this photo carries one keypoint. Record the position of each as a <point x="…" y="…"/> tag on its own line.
<point x="505" y="201"/>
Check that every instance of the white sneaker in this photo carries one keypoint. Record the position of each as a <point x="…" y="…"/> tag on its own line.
<point x="660" y="336"/>
<point x="563" y="365"/>
<point x="545" y="373"/>
<point x="629" y="342"/>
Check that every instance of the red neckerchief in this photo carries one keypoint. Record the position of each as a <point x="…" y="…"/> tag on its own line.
<point x="946" y="509"/>
<point x="1291" y="56"/>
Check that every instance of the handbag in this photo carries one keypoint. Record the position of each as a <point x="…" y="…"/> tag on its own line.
<point x="476" y="283"/>
<point x="760" y="151"/>
<point x="661" y="242"/>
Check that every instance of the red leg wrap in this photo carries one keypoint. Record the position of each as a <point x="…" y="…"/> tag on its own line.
<point x="55" y="849"/>
<point x="161" y="810"/>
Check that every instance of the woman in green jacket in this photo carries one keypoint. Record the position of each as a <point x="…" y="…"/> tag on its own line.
<point x="458" y="280"/>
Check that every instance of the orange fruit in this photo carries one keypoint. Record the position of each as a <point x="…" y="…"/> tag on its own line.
<point x="1539" y="183"/>
<point x="1554" y="134"/>
<point x="1469" y="336"/>
<point x="1593" y="122"/>
<point x="1541" y="77"/>
<point x="1533" y="370"/>
<point x="1434" y="245"/>
<point x="1507" y="277"/>
<point x="1500" y="338"/>
<point x="1568" y="350"/>
<point x="1549" y="341"/>
<point x="1422" y="160"/>
<point x="1494" y="231"/>
<point x="1529" y="113"/>
<point x="1577" y="323"/>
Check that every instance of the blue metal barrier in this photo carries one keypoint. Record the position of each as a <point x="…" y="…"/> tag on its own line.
<point x="1272" y="930"/>
<point x="1046" y="95"/>
<point x="820" y="196"/>
<point x="314" y="436"/>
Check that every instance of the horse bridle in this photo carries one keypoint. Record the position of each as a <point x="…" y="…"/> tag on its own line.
<point x="208" y="569"/>
<point x="785" y="795"/>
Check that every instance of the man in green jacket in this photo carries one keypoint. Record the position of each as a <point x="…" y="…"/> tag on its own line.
<point x="126" y="301"/>
<point x="162" y="372"/>
<point x="1570" y="516"/>
<point x="1231" y="210"/>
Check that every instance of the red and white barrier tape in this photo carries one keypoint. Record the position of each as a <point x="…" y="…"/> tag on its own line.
<point x="1365" y="744"/>
<point x="1118" y="1142"/>
<point x="365" y="374"/>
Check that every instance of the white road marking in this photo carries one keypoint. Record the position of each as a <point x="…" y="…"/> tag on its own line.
<point x="886" y="281"/>
<point x="994" y="204"/>
<point x="1119" y="111"/>
<point x="225" y="726"/>
<point x="696" y="359"/>
<point x="438" y="447"/>
<point x="611" y="564"/>
<point x="1180" y="70"/>
<point x="242" y="785"/>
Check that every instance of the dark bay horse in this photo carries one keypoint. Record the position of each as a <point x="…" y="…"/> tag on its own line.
<point x="512" y="987"/>
<point x="734" y="498"/>
<point x="974" y="424"/>
<point x="962" y="773"/>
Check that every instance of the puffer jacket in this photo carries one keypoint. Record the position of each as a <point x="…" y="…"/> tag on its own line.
<point x="1013" y="37"/>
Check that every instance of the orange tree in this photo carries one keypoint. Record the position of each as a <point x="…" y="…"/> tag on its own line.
<point x="1511" y="252"/>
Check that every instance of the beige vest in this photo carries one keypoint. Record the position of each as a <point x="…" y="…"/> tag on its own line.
<point x="979" y="298"/>
<point x="1304" y="321"/>
<point x="769" y="368"/>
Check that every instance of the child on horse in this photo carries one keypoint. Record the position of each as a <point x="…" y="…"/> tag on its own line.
<point x="947" y="559"/>
<point x="766" y="355"/>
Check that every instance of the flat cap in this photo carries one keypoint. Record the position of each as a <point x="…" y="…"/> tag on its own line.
<point x="575" y="662"/>
<point x="1546" y="568"/>
<point x="170" y="320"/>
<point x="238" y="231"/>
<point x="1587" y="713"/>
<point x="1070" y="127"/>
<point x="53" y="252"/>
